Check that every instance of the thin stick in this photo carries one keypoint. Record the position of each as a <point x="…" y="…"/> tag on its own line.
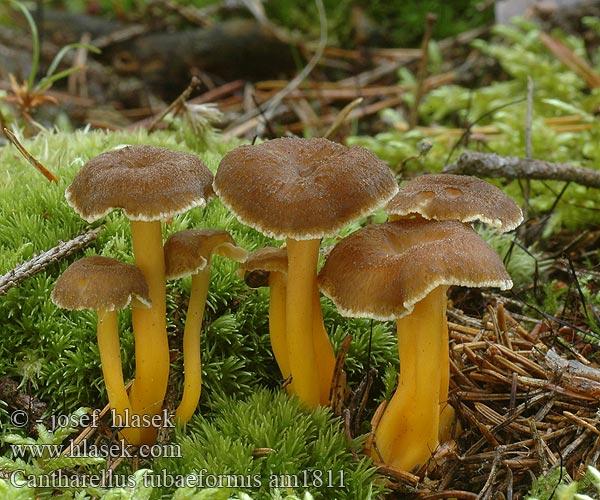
<point x="338" y="383"/>
<point x="529" y="118"/>
<point x="512" y="167"/>
<point x="430" y="20"/>
<point x="461" y="495"/>
<point x="44" y="259"/>
<point x="176" y="104"/>
<point x="528" y="147"/>
<point x="486" y="491"/>
<point x="29" y="157"/>
<point x="341" y="117"/>
<point x="276" y="100"/>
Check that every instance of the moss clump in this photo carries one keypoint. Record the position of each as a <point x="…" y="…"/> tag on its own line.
<point x="266" y="444"/>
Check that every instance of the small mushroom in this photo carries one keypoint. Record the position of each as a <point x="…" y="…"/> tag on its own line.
<point x="302" y="190"/>
<point x="268" y="267"/>
<point x="455" y="197"/>
<point x="189" y="252"/>
<point x="106" y="285"/>
<point x="149" y="184"/>
<point x="401" y="270"/>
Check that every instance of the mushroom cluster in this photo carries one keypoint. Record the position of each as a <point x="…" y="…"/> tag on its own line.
<point x="149" y="184"/>
<point x="299" y="191"/>
<point x="401" y="270"/>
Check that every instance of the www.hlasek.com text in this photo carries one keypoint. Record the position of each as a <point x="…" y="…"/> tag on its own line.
<point x="106" y="450"/>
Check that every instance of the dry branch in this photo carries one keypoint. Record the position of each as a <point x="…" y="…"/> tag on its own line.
<point x="513" y="167"/>
<point x="44" y="259"/>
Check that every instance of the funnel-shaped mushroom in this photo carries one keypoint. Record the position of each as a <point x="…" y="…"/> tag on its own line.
<point x="454" y="197"/>
<point x="106" y="285"/>
<point x="189" y="252"/>
<point x="268" y="267"/>
<point x="302" y="190"/>
<point x="149" y="184"/>
<point x="401" y="270"/>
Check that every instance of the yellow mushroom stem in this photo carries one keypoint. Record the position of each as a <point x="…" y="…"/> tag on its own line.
<point x="407" y="433"/>
<point x="112" y="370"/>
<point x="447" y="413"/>
<point x="149" y="327"/>
<point x="323" y="350"/>
<point x="192" y="363"/>
<point x="302" y="275"/>
<point x="192" y="332"/>
<point x="277" y="322"/>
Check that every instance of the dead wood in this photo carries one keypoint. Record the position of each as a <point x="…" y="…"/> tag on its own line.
<point x="16" y="399"/>
<point x="44" y="259"/>
<point x="513" y="167"/>
<point x="228" y="51"/>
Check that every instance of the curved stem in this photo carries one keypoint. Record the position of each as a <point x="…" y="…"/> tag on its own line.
<point x="323" y="349"/>
<point x="302" y="275"/>
<point x="112" y="370"/>
<point x="277" y="322"/>
<point x="408" y="431"/>
<point x="149" y="326"/>
<point x="192" y="361"/>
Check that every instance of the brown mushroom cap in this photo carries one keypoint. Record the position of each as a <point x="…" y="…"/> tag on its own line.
<point x="456" y="197"/>
<point x="189" y="251"/>
<point x="302" y="188"/>
<point x="383" y="270"/>
<point x="100" y="283"/>
<point x="147" y="182"/>
<point x="260" y="263"/>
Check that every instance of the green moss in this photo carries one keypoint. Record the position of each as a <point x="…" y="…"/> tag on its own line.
<point x="556" y="485"/>
<point x="302" y="450"/>
<point x="34" y="217"/>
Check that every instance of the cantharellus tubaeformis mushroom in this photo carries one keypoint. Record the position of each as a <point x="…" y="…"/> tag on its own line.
<point x="401" y="270"/>
<point x="106" y="285"/>
<point x="149" y="184"/>
<point x="301" y="190"/>
<point x="189" y="252"/>
<point x="454" y="197"/>
<point x="268" y="267"/>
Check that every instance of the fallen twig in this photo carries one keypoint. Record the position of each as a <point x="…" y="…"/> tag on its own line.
<point x="513" y="167"/>
<point x="44" y="259"/>
<point x="176" y="104"/>
<point x="341" y="118"/>
<point x="29" y="157"/>
<point x="430" y="20"/>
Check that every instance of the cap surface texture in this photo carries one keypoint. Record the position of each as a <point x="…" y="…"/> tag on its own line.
<point x="456" y="197"/>
<point x="260" y="263"/>
<point x="190" y="250"/>
<point x="381" y="271"/>
<point x="302" y="188"/>
<point x="100" y="283"/>
<point x="146" y="182"/>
